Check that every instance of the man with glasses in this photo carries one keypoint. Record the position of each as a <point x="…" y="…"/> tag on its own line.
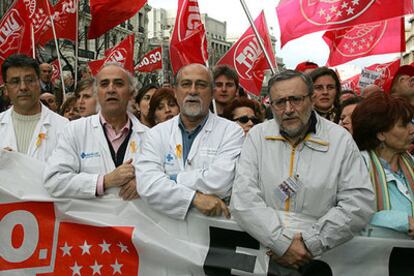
<point x="301" y="186"/>
<point x="189" y="161"/>
<point x="226" y="86"/>
<point x="28" y="126"/>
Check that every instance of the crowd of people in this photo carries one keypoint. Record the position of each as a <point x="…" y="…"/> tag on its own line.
<point x="337" y="161"/>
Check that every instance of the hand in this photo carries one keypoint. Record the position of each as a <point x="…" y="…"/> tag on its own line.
<point x="129" y="190"/>
<point x="120" y="176"/>
<point x="411" y="226"/>
<point x="296" y="255"/>
<point x="210" y="205"/>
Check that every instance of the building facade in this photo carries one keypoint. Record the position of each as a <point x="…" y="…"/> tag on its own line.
<point x="408" y="56"/>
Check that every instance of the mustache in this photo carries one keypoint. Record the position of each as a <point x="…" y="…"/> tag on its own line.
<point x="192" y="98"/>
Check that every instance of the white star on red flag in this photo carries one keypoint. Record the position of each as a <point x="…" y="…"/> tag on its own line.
<point x="96" y="268"/>
<point x="76" y="269"/>
<point x="105" y="247"/>
<point x="85" y="248"/>
<point x="66" y="249"/>
<point x="123" y="247"/>
<point x="116" y="267"/>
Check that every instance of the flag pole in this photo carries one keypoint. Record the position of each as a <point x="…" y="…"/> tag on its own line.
<point x="57" y="52"/>
<point x="214" y="100"/>
<point x="76" y="43"/>
<point x="249" y="17"/>
<point x="33" y="43"/>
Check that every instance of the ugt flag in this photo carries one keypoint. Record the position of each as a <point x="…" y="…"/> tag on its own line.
<point x="188" y="42"/>
<point x="300" y="17"/>
<point x="107" y="14"/>
<point x="122" y="53"/>
<point x="247" y="57"/>
<point x="381" y="37"/>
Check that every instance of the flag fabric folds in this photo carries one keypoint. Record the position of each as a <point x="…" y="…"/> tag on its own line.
<point x="188" y="41"/>
<point x="247" y="57"/>
<point x="64" y="17"/>
<point x="122" y="53"/>
<point x="107" y="14"/>
<point x="363" y="40"/>
<point x="300" y="17"/>
<point x="151" y="61"/>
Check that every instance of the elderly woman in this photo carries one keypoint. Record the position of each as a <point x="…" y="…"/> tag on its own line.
<point x="383" y="130"/>
<point x="245" y="112"/>
<point x="163" y="106"/>
<point x="142" y="101"/>
<point x="327" y="89"/>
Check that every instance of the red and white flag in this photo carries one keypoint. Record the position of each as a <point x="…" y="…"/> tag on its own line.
<point x="15" y="32"/>
<point x="151" y="61"/>
<point x="109" y="251"/>
<point x="55" y="71"/>
<point x="387" y="71"/>
<point x="352" y="84"/>
<point x="300" y="17"/>
<point x="363" y="40"/>
<point x="247" y="57"/>
<point x="64" y="17"/>
<point x="107" y="14"/>
<point x="122" y="53"/>
<point x="188" y="42"/>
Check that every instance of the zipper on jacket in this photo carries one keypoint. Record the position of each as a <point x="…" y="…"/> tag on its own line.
<point x="291" y="165"/>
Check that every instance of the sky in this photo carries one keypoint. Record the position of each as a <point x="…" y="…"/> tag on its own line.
<point x="309" y="47"/>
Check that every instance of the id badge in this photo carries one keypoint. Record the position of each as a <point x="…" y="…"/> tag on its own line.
<point x="288" y="188"/>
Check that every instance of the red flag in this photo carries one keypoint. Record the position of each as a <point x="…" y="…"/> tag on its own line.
<point x="91" y="250"/>
<point x="388" y="71"/>
<point x="15" y="32"/>
<point x="352" y="84"/>
<point x="300" y="17"/>
<point x="363" y="40"/>
<point x="64" y="17"/>
<point x="248" y="59"/>
<point x="122" y="53"/>
<point x="151" y="61"/>
<point x="107" y="14"/>
<point x="188" y="41"/>
<point x="29" y="242"/>
<point x="55" y="71"/>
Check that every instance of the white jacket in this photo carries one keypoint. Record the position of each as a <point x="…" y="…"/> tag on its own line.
<point x="45" y="136"/>
<point x="209" y="168"/>
<point x="336" y="193"/>
<point x="82" y="154"/>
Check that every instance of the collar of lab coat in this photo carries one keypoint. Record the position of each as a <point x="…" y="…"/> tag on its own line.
<point x="44" y="116"/>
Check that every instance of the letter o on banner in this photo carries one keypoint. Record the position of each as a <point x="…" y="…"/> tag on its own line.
<point x="30" y="236"/>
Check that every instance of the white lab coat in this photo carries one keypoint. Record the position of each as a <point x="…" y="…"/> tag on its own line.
<point x="50" y="126"/>
<point x="209" y="169"/>
<point x="82" y="154"/>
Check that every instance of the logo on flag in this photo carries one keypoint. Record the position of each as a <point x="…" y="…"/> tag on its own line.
<point x="29" y="228"/>
<point x="11" y="33"/>
<point x="331" y="12"/>
<point x="92" y="250"/>
<point x="246" y="54"/>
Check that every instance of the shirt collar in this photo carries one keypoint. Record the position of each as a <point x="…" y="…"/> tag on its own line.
<point x="126" y="127"/>
<point x="198" y="128"/>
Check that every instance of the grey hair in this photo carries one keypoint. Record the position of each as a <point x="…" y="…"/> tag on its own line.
<point x="210" y="75"/>
<point x="131" y="80"/>
<point x="287" y="75"/>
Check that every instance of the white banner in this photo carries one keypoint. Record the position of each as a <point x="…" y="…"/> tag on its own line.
<point x="107" y="236"/>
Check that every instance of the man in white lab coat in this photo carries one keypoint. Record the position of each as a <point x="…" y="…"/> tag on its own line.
<point x="190" y="159"/>
<point x="28" y="126"/>
<point x="96" y="152"/>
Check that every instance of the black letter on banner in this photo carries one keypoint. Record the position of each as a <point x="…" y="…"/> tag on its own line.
<point x="222" y="256"/>
<point x="401" y="261"/>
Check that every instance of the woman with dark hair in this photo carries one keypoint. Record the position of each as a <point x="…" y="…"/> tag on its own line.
<point x="69" y="108"/>
<point x="327" y="89"/>
<point x="347" y="108"/>
<point x="245" y="112"/>
<point x="142" y="101"/>
<point x="163" y="106"/>
<point x="383" y="130"/>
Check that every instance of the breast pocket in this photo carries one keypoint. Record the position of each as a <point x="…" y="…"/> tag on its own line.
<point x="91" y="162"/>
<point x="171" y="164"/>
<point x="207" y="156"/>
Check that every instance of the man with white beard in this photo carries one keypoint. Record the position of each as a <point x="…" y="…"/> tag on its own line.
<point x="190" y="160"/>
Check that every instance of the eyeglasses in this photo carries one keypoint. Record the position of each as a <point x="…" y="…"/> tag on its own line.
<point x="293" y="100"/>
<point x="245" y="119"/>
<point x="15" y="82"/>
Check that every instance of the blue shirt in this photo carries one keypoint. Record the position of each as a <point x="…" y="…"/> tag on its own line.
<point x="397" y="217"/>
